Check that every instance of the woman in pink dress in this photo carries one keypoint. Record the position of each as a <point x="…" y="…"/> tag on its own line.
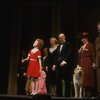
<point x="34" y="66"/>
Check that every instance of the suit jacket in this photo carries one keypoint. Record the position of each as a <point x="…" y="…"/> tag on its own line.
<point x="65" y="54"/>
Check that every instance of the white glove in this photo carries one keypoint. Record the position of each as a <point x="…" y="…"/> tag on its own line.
<point x="53" y="67"/>
<point x="93" y="65"/>
<point x="63" y="63"/>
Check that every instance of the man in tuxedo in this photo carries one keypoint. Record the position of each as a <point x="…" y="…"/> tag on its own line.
<point x="63" y="66"/>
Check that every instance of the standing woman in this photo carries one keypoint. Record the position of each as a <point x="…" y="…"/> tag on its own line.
<point x="87" y="61"/>
<point x="51" y="77"/>
<point x="34" y="66"/>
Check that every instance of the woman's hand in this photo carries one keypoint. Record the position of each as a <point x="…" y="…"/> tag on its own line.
<point x="23" y="60"/>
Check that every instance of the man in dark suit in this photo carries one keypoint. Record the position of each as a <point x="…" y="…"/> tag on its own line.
<point x="63" y="67"/>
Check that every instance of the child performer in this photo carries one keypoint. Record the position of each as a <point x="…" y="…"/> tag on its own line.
<point x="34" y="66"/>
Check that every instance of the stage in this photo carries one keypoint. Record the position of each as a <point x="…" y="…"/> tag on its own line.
<point x="38" y="97"/>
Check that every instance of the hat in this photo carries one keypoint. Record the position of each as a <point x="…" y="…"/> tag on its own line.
<point x="84" y="35"/>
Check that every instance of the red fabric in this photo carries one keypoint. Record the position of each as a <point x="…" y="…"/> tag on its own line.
<point x="41" y="84"/>
<point x="86" y="59"/>
<point x="33" y="66"/>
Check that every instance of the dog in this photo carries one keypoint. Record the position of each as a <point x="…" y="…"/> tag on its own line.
<point x="78" y="76"/>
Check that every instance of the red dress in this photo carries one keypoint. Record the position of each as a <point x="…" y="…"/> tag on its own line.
<point x="86" y="59"/>
<point x="33" y="66"/>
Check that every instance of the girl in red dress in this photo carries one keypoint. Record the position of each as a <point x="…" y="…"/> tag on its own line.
<point x="34" y="66"/>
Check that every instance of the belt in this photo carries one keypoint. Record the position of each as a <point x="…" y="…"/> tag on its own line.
<point x="33" y="59"/>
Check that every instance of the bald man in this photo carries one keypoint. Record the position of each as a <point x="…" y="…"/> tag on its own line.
<point x="63" y="66"/>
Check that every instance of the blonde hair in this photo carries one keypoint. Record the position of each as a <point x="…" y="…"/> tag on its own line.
<point x="53" y="38"/>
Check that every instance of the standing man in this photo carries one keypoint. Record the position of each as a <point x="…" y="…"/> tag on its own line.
<point x="63" y="66"/>
<point x="97" y="46"/>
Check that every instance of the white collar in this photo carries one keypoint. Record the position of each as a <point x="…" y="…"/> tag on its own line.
<point x="51" y="49"/>
<point x="85" y="45"/>
<point x="35" y="50"/>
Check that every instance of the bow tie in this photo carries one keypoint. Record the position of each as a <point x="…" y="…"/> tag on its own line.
<point x="61" y="43"/>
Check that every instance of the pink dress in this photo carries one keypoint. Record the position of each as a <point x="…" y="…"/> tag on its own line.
<point x="42" y="85"/>
<point x="33" y="66"/>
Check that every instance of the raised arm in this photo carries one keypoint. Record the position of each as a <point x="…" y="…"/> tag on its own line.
<point x="26" y="59"/>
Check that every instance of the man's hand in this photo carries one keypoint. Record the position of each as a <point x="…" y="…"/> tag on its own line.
<point x="46" y="68"/>
<point x="63" y="63"/>
<point x="53" y="67"/>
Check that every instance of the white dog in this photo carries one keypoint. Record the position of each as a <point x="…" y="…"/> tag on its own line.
<point x="78" y="81"/>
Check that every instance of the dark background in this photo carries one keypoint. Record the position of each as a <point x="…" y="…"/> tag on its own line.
<point x="22" y="21"/>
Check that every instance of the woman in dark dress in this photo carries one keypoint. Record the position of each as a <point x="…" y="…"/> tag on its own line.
<point x="50" y="62"/>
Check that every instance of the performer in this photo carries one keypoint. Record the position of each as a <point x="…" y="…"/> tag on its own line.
<point x="63" y="66"/>
<point x="34" y="66"/>
<point x="51" y="75"/>
<point x="86" y="59"/>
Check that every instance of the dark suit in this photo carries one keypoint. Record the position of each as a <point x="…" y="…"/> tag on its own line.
<point x="64" y="72"/>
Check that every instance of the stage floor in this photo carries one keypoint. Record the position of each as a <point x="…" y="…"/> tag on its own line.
<point x="38" y="97"/>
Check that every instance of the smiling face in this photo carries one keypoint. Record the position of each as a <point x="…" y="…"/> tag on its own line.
<point x="62" y="38"/>
<point x="84" y="40"/>
<point x="53" y="41"/>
